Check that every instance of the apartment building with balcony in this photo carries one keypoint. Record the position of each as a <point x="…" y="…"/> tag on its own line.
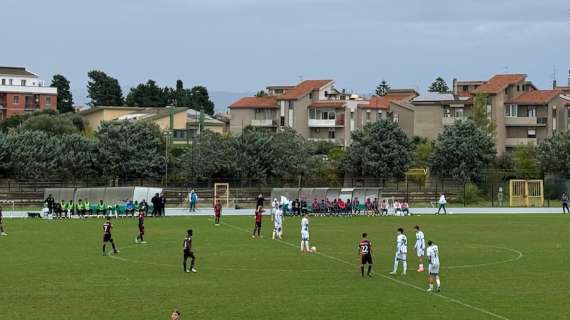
<point x="522" y="113"/>
<point x="315" y="109"/>
<point x="22" y="91"/>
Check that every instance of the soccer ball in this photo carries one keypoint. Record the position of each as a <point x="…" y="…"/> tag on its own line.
<point x="313" y="249"/>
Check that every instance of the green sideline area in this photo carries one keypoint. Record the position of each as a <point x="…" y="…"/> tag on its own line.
<point x="493" y="267"/>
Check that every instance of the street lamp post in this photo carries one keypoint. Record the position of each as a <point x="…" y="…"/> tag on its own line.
<point x="167" y="138"/>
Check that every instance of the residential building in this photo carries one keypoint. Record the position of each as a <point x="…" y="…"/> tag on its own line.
<point x="21" y="91"/>
<point x="315" y="109"/>
<point x="433" y="111"/>
<point x="198" y="121"/>
<point x="522" y="113"/>
<point x="172" y="119"/>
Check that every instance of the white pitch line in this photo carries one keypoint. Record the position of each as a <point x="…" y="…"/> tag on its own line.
<point x="461" y="303"/>
<point x="519" y="256"/>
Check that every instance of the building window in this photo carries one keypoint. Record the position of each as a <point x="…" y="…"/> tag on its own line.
<point x="23" y="82"/>
<point x="465" y="88"/>
<point x="332" y="115"/>
<point x="16" y="99"/>
<point x="310" y="95"/>
<point x="531" y="133"/>
<point x="331" y="133"/>
<point x="282" y="122"/>
<point x="3" y="82"/>
<point x="518" y="88"/>
<point x="446" y="112"/>
<point x="458" y="112"/>
<point x="368" y="116"/>
<point x="291" y="104"/>
<point x="511" y="110"/>
<point x="48" y="101"/>
<point x="312" y="113"/>
<point x="396" y="118"/>
<point x="532" y="112"/>
<point x="10" y="82"/>
<point x="179" y="134"/>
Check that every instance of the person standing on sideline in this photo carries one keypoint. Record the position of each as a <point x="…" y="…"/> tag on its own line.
<point x="217" y="212"/>
<point x="188" y="252"/>
<point x="2" y="231"/>
<point x="162" y="205"/>
<point x="193" y="199"/>
<point x="441" y="204"/>
<point x="155" y="205"/>
<point x="258" y="217"/>
<point x="50" y="201"/>
<point x="433" y="257"/>
<point x="565" y="203"/>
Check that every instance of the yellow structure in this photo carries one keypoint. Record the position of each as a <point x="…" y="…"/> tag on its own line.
<point x="526" y="193"/>
<point x="183" y="123"/>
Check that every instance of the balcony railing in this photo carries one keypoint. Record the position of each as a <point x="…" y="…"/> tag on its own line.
<point x="319" y="123"/>
<point x="450" y="120"/>
<point x="513" y="142"/>
<point x="525" y="121"/>
<point x="263" y="123"/>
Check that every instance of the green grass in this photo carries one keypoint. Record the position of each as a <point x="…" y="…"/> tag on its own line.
<point x="55" y="270"/>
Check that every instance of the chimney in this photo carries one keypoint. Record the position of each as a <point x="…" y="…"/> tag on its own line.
<point x="554" y="84"/>
<point x="454" y="89"/>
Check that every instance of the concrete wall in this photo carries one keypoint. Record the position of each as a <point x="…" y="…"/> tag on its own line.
<point x="428" y="121"/>
<point x="240" y="118"/>
<point x="405" y="118"/>
<point x="179" y="121"/>
<point x="301" y="114"/>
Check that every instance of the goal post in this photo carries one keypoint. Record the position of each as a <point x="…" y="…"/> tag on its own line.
<point x="526" y="193"/>
<point x="222" y="192"/>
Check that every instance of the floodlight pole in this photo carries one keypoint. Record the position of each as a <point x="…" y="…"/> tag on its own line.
<point x="167" y="136"/>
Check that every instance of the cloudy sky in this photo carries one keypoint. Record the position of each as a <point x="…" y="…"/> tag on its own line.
<point x="243" y="45"/>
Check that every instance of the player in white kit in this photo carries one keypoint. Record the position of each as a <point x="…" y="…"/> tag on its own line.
<point x="305" y="234"/>
<point x="433" y="257"/>
<point x="278" y="222"/>
<point x="420" y="247"/>
<point x="401" y="252"/>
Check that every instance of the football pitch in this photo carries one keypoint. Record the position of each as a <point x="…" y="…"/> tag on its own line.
<point x="492" y="267"/>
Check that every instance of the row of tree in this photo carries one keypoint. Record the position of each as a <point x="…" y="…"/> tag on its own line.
<point x="104" y="90"/>
<point x="47" y="144"/>
<point x="438" y="85"/>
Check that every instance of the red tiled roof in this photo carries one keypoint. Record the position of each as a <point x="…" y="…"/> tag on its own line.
<point x="383" y="102"/>
<point x="499" y="82"/>
<point x="535" y="97"/>
<point x="255" y="102"/>
<point x="328" y="104"/>
<point x="302" y="89"/>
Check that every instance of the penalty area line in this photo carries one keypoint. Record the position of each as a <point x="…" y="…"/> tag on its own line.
<point x="404" y="283"/>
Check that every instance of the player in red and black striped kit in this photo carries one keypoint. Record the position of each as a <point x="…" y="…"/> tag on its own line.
<point x="258" y="216"/>
<point x="140" y="237"/>
<point x="188" y="252"/>
<point x="107" y="227"/>
<point x="365" y="251"/>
